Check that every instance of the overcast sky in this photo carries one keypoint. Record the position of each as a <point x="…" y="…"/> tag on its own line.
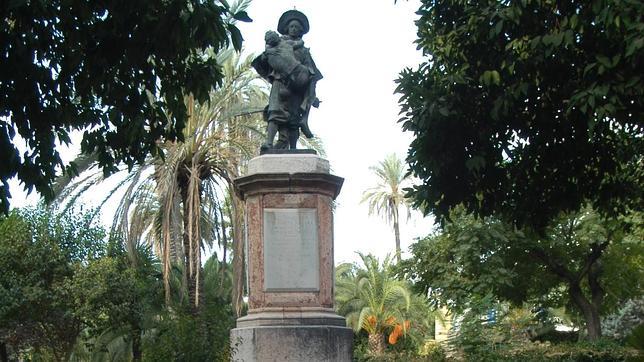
<point x="360" y="46"/>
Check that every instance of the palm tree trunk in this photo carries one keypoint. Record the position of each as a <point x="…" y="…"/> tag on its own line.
<point x="224" y="242"/>
<point x="189" y="270"/>
<point x="176" y="252"/>
<point x="191" y="248"/>
<point x="377" y="343"/>
<point x="397" y="233"/>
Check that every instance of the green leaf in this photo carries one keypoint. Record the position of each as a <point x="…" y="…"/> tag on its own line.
<point x="242" y="16"/>
<point x="569" y="37"/>
<point x="475" y="163"/>
<point x="604" y="60"/>
<point x="235" y="37"/>
<point x="496" y="77"/>
<point x="557" y="39"/>
<point x="498" y="27"/>
<point x="634" y="46"/>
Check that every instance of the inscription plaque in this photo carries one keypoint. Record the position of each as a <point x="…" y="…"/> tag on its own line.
<point x="291" y="255"/>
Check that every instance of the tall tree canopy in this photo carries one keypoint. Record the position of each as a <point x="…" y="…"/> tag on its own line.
<point x="527" y="108"/>
<point x="118" y="70"/>
<point x="590" y="263"/>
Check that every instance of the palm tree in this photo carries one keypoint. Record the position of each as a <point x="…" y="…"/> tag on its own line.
<point x="184" y="201"/>
<point x="387" y="197"/>
<point x="373" y="300"/>
<point x="176" y="202"/>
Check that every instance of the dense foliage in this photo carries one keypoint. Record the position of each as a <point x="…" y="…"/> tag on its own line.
<point x="373" y="300"/>
<point x="66" y="293"/>
<point x="116" y="70"/>
<point x="622" y="323"/>
<point x="584" y="261"/>
<point x="386" y="316"/>
<point x="527" y="108"/>
<point x="39" y="253"/>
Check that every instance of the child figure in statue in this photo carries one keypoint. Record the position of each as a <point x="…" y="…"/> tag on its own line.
<point x="290" y="69"/>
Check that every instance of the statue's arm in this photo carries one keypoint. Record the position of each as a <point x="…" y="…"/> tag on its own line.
<point x="260" y="63"/>
<point x="317" y="75"/>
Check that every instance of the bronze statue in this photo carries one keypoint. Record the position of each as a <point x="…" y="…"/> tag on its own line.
<point x="290" y="69"/>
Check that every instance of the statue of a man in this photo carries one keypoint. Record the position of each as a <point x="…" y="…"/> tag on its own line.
<point x="290" y="69"/>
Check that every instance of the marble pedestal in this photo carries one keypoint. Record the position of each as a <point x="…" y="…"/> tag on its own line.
<point x="289" y="239"/>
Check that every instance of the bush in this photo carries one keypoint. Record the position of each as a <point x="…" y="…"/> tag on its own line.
<point x="184" y="337"/>
<point x="602" y="351"/>
<point x="434" y="351"/>
<point x="622" y="323"/>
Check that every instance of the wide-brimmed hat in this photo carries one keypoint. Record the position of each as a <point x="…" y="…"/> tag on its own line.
<point x="286" y="18"/>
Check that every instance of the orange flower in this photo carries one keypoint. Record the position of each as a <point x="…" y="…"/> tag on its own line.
<point x="371" y="320"/>
<point x="395" y="334"/>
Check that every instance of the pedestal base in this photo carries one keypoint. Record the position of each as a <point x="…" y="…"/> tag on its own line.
<point x="292" y="334"/>
<point x="288" y="199"/>
<point x="296" y="343"/>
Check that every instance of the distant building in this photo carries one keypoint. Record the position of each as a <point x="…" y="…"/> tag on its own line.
<point x="442" y="325"/>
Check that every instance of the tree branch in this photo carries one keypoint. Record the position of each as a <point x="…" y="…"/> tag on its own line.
<point x="555" y="267"/>
<point x="596" y="251"/>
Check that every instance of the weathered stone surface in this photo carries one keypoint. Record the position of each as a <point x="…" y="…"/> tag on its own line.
<point x="292" y="343"/>
<point x="288" y="316"/>
<point x="289" y="240"/>
<point x="288" y="163"/>
<point x="291" y="251"/>
<point x="262" y="297"/>
<point x="288" y="183"/>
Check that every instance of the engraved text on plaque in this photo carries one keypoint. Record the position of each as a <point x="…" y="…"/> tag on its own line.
<point x="291" y="255"/>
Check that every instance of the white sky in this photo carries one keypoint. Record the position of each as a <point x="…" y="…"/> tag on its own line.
<point x="360" y="46"/>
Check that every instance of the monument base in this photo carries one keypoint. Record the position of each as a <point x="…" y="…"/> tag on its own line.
<point x="288" y="198"/>
<point x="295" y="343"/>
<point x="292" y="334"/>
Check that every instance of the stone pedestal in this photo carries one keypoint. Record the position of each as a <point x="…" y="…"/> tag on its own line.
<point x="290" y="263"/>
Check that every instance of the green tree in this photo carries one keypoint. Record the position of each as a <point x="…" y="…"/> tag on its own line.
<point x="387" y="198"/>
<point x="372" y="299"/>
<point x="39" y="252"/>
<point x="117" y="299"/>
<point x="182" y="336"/>
<point x="578" y="262"/>
<point x="105" y="68"/>
<point x="526" y="109"/>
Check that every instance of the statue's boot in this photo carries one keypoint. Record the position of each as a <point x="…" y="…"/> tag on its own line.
<point x="271" y="131"/>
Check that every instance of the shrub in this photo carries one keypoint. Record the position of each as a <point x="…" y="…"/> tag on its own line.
<point x="622" y="323"/>
<point x="601" y="351"/>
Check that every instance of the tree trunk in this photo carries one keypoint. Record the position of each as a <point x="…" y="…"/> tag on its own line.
<point x="224" y="242"/>
<point x="4" y="355"/>
<point x="176" y="246"/>
<point x="592" y="271"/>
<point x="377" y="343"/>
<point x="397" y="233"/>
<point x="192" y="253"/>
<point x="588" y="309"/>
<point x="191" y="285"/>
<point x="136" y="344"/>
<point x="238" y="252"/>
